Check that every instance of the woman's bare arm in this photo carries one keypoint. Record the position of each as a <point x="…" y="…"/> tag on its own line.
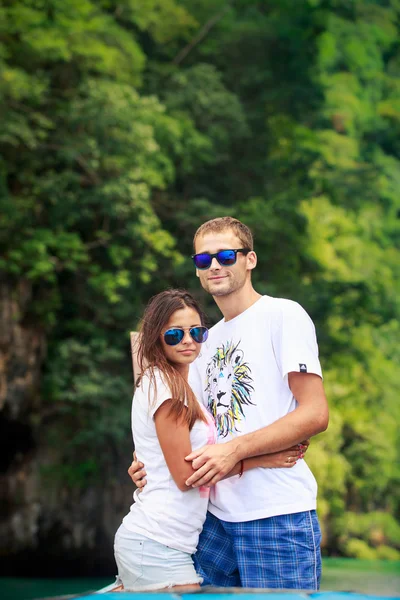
<point x="174" y="438"/>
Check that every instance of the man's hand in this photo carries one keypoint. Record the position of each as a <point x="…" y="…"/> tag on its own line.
<point x="211" y="463"/>
<point x="137" y="472"/>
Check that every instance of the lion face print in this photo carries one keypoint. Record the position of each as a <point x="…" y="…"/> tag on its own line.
<point x="228" y="387"/>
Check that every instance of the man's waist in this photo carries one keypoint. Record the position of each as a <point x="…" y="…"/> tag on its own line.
<point x="252" y="513"/>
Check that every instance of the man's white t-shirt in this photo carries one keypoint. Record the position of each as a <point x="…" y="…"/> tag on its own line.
<point x="242" y="379"/>
<point x="161" y="511"/>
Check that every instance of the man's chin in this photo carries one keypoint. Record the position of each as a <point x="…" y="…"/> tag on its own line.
<point x="219" y="291"/>
<point x="223" y="288"/>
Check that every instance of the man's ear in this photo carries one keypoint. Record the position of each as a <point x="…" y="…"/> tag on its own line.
<point x="251" y="260"/>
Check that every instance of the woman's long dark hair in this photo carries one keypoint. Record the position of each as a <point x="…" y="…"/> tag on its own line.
<point x="151" y="354"/>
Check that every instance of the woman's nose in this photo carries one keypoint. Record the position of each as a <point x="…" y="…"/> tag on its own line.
<point x="187" y="338"/>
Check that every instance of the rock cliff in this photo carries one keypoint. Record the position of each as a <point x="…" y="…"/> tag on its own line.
<point x="46" y="529"/>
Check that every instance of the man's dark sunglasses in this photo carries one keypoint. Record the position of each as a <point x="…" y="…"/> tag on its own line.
<point x="174" y="336"/>
<point x="226" y="258"/>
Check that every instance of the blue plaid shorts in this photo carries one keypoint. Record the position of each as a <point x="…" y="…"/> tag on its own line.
<point x="278" y="552"/>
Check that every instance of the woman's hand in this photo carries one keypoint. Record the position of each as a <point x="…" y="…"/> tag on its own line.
<point x="285" y="459"/>
<point x="281" y="460"/>
<point x="137" y="472"/>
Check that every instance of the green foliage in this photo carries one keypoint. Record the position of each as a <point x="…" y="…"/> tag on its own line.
<point x="126" y="125"/>
<point x="76" y="199"/>
<point x="359" y="549"/>
<point x="387" y="553"/>
<point x="367" y="535"/>
<point x="86" y="387"/>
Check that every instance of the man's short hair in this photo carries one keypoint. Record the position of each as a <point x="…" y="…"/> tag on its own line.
<point x="222" y="224"/>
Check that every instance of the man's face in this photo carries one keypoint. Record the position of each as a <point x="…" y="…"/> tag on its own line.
<point x="219" y="280"/>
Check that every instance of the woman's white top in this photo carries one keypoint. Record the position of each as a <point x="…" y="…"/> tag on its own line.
<point x="161" y="511"/>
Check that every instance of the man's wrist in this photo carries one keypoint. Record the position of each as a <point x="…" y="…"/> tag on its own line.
<point x="236" y="448"/>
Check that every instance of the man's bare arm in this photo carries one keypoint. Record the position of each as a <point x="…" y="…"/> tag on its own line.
<point x="311" y="416"/>
<point x="285" y="459"/>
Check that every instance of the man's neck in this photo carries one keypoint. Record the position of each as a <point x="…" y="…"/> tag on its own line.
<point x="235" y="304"/>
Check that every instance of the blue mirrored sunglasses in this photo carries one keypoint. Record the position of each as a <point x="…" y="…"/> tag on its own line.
<point x="226" y="258"/>
<point x="174" y="336"/>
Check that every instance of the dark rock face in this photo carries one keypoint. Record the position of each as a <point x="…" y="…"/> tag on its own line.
<point x="45" y="530"/>
<point x="22" y="351"/>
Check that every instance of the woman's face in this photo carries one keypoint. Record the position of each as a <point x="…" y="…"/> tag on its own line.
<point x="183" y="353"/>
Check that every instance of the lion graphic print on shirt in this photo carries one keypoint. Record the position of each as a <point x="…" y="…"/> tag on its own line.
<point x="228" y="387"/>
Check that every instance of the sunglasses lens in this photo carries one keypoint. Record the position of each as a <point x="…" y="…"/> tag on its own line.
<point x="172" y="337"/>
<point x="226" y="257"/>
<point x="199" y="334"/>
<point x="202" y="261"/>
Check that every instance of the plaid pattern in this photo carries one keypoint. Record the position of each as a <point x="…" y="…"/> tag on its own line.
<point x="278" y="552"/>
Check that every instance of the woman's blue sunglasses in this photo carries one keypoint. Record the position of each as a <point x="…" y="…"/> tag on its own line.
<point x="226" y="258"/>
<point x="174" y="336"/>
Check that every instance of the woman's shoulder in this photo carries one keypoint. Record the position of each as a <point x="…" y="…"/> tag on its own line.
<point x="151" y="392"/>
<point x="153" y="380"/>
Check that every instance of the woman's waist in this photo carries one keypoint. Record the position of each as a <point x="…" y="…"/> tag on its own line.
<point x="169" y="499"/>
<point x="161" y="515"/>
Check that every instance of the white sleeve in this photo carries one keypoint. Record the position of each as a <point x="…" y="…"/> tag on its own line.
<point x="158" y="395"/>
<point x="295" y="341"/>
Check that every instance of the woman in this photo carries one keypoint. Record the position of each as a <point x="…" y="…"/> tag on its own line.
<point x="154" y="544"/>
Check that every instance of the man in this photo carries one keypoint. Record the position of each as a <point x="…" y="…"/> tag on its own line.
<point x="260" y="377"/>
